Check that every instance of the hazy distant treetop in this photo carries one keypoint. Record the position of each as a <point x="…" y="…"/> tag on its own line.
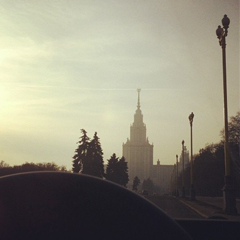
<point x="6" y="169"/>
<point x="136" y="182"/>
<point x="3" y="164"/>
<point x="148" y="185"/>
<point x="233" y="129"/>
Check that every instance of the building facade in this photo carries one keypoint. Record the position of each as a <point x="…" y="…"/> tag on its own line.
<point x="138" y="153"/>
<point x="162" y="177"/>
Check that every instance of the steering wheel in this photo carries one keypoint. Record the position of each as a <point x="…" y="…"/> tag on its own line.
<point x="54" y="205"/>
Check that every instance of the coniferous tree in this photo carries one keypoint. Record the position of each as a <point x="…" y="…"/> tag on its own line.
<point x="136" y="182"/>
<point x="123" y="172"/>
<point x="117" y="170"/>
<point x="81" y="153"/>
<point x="94" y="162"/>
<point x="112" y="169"/>
<point x="148" y="185"/>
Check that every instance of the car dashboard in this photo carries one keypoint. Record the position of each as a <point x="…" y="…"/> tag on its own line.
<point x="54" y="205"/>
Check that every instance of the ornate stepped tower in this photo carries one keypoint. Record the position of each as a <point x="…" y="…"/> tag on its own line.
<point x="137" y="151"/>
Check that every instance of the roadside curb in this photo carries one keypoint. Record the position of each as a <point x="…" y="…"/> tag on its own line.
<point x="208" y="210"/>
<point x="193" y="209"/>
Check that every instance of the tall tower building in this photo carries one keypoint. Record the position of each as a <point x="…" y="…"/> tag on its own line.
<point x="137" y="151"/>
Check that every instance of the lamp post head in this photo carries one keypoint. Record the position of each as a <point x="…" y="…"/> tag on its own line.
<point x="219" y="32"/>
<point x="222" y="32"/>
<point x="225" y="22"/>
<point x="190" y="117"/>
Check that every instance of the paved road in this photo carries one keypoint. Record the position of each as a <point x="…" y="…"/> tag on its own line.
<point x="173" y="207"/>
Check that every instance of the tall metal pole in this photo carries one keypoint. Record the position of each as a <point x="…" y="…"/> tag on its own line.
<point x="177" y="193"/>
<point x="183" y="187"/>
<point x="192" y="190"/>
<point x="228" y="190"/>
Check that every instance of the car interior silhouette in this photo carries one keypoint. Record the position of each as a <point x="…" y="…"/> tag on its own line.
<point x="56" y="205"/>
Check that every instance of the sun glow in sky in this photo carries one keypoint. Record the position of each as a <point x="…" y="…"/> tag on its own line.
<point x="68" y="65"/>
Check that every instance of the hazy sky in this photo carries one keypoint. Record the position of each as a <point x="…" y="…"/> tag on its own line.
<point x="67" y="65"/>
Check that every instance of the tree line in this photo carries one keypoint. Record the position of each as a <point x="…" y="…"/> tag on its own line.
<point x="88" y="159"/>
<point x="6" y="169"/>
<point x="209" y="168"/>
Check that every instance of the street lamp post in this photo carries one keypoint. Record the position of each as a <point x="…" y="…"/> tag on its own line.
<point x="183" y="187"/>
<point x="177" y="194"/>
<point x="192" y="190"/>
<point x="228" y="190"/>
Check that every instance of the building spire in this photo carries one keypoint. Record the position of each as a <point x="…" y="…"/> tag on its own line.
<point x="138" y="90"/>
